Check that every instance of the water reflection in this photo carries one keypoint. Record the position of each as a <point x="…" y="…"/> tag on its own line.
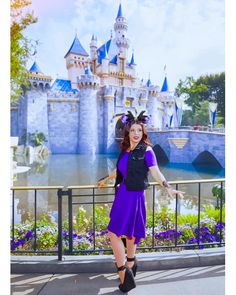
<point x="83" y="169"/>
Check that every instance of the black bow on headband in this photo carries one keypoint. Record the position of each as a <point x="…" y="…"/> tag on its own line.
<point x="129" y="118"/>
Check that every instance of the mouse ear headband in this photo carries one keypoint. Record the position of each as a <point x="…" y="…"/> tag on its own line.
<point x="129" y="118"/>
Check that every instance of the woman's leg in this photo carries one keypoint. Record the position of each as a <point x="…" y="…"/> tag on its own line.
<point x="131" y="249"/>
<point x="118" y="251"/>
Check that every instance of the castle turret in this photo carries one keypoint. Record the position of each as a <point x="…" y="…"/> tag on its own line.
<point x="121" y="28"/>
<point x="168" y="101"/>
<point x="93" y="53"/>
<point x="88" y="117"/>
<point x="154" y="107"/>
<point x="76" y="61"/>
<point x="33" y="115"/>
<point x="105" y="64"/>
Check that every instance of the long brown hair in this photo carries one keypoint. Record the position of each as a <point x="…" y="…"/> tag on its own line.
<point x="125" y="144"/>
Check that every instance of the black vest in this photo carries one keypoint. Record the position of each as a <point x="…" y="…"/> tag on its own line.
<point x="137" y="170"/>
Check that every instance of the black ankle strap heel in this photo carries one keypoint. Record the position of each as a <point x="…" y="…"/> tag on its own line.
<point x="121" y="268"/>
<point x="129" y="282"/>
<point x="131" y="259"/>
<point x="135" y="266"/>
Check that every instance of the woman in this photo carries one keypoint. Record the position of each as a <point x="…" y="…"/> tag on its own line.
<point x="128" y="213"/>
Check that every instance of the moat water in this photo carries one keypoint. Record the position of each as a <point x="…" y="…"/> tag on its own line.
<point x="69" y="170"/>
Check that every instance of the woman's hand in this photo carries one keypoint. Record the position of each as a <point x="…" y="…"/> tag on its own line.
<point x="172" y="192"/>
<point x="101" y="183"/>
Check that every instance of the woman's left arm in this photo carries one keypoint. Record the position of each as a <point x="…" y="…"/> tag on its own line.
<point x="159" y="177"/>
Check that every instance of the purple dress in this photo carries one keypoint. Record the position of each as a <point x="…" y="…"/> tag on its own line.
<point x="128" y="212"/>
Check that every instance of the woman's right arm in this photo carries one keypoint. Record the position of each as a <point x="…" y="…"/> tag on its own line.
<point x="102" y="182"/>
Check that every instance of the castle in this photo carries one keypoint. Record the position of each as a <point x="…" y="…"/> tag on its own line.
<point x="78" y="114"/>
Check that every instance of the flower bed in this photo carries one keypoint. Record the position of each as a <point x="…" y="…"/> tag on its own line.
<point x="165" y="234"/>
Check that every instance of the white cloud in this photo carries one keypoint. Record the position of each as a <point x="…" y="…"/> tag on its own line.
<point x="186" y="35"/>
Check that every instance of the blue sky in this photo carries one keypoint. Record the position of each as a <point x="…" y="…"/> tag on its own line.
<point x="186" y="35"/>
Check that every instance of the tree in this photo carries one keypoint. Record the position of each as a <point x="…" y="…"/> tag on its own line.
<point x="202" y="89"/>
<point x="199" y="117"/>
<point x="193" y="89"/>
<point x="215" y="85"/>
<point x="21" y="46"/>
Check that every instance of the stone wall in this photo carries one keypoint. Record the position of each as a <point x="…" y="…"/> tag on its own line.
<point x="186" y="146"/>
<point x="63" y="122"/>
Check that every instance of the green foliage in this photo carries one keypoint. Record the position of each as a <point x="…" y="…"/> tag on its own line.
<point x="199" y="117"/>
<point x="82" y="222"/>
<point x="193" y="89"/>
<point x="200" y="90"/>
<point x="164" y="229"/>
<point x="21" y="46"/>
<point x="216" y="191"/>
<point x="40" y="138"/>
<point x="215" y="84"/>
<point x="102" y="216"/>
<point x="214" y="213"/>
<point x="190" y="219"/>
<point x="47" y="240"/>
<point x="36" y="139"/>
<point x="187" y="234"/>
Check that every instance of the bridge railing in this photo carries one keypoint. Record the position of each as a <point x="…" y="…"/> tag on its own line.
<point x="70" y="196"/>
<point x="192" y="128"/>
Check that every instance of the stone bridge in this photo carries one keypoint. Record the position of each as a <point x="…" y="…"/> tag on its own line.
<point x="188" y="146"/>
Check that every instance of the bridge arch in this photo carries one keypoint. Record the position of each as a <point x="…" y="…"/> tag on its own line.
<point x="161" y="155"/>
<point x="119" y="129"/>
<point x="206" y="158"/>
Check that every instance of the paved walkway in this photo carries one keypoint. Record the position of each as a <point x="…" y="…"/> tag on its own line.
<point x="207" y="280"/>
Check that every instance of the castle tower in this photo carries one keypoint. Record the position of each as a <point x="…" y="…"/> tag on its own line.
<point x="93" y="53"/>
<point x="168" y="101"/>
<point x="88" y="113"/>
<point x="121" y="28"/>
<point x="105" y="67"/>
<point x="133" y="65"/>
<point x="154" y="107"/>
<point x="76" y="61"/>
<point x="33" y="114"/>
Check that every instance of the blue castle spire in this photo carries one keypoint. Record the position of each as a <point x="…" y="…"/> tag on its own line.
<point x="165" y="86"/>
<point x="35" y="68"/>
<point x="149" y="83"/>
<point x="119" y="14"/>
<point x="106" y="54"/>
<point x="132" y="60"/>
<point x="77" y="48"/>
<point x="114" y="60"/>
<point x="88" y="71"/>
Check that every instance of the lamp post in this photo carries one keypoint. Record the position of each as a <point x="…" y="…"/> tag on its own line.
<point x="212" y="108"/>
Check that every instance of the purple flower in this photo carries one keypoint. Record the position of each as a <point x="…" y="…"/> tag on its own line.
<point x="90" y="233"/>
<point x="65" y="234"/>
<point x="29" y="235"/>
<point x="169" y="234"/>
<point x="21" y="242"/>
<point x="192" y="240"/>
<point x="219" y="225"/>
<point x="124" y="119"/>
<point x="103" y="232"/>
